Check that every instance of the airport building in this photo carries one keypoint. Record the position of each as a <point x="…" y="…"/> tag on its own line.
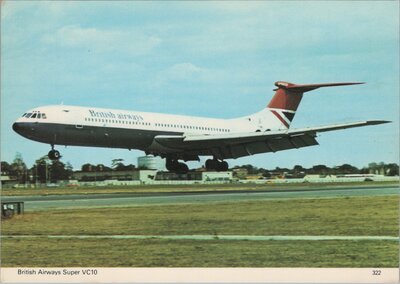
<point x="8" y="181"/>
<point x="149" y="177"/>
<point x="199" y="176"/>
<point x="151" y="163"/>
<point x="141" y="175"/>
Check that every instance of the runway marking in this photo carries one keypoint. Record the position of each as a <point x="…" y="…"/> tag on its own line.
<point x="212" y="237"/>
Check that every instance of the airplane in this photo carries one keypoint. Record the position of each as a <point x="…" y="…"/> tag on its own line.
<point x="178" y="137"/>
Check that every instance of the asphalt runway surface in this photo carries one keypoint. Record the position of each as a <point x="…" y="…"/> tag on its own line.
<point x="54" y="202"/>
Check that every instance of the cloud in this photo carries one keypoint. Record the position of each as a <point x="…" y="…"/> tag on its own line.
<point x="133" y="42"/>
<point x="183" y="71"/>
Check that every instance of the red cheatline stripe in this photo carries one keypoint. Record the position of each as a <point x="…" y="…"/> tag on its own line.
<point x="280" y="118"/>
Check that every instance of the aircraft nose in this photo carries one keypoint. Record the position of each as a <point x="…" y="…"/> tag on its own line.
<point x="16" y="126"/>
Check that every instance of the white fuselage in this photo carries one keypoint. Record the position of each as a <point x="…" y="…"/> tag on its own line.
<point x="99" y="127"/>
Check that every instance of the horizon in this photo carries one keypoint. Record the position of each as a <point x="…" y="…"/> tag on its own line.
<point x="230" y="167"/>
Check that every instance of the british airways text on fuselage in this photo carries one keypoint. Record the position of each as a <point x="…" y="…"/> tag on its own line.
<point x="110" y="114"/>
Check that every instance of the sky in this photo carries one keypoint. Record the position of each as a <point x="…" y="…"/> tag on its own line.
<point x="212" y="59"/>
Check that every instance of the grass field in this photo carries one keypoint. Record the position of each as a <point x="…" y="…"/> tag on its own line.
<point x="364" y="216"/>
<point x="186" y="253"/>
<point x="348" y="216"/>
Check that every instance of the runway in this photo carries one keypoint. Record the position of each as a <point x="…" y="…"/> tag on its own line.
<point x="54" y="202"/>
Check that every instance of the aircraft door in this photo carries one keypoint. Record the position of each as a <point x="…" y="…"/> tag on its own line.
<point x="260" y="124"/>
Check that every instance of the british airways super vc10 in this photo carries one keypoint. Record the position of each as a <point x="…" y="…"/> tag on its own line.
<point x="177" y="137"/>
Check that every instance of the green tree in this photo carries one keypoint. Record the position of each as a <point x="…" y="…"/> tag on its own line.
<point x="116" y="162"/>
<point x="251" y="170"/>
<point x="41" y="169"/>
<point x="5" y="168"/>
<point x="122" y="167"/>
<point x="298" y="169"/>
<point x="18" y="169"/>
<point x="58" y="171"/>
<point x="347" y="169"/>
<point x="69" y="168"/>
<point x="102" y="168"/>
<point x="320" y="169"/>
<point x="88" y="167"/>
<point x="392" y="169"/>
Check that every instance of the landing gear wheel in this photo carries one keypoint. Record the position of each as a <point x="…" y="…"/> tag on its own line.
<point x="170" y="165"/>
<point x="210" y="164"/>
<point x="173" y="165"/>
<point x="54" y="155"/>
<point x="182" y="168"/>
<point x="223" y="166"/>
<point x="215" y="165"/>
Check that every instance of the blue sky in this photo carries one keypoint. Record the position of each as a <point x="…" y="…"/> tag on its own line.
<point x="214" y="59"/>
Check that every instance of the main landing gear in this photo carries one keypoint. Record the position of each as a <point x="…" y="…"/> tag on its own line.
<point x="54" y="155"/>
<point x="173" y="165"/>
<point x="215" y="165"/>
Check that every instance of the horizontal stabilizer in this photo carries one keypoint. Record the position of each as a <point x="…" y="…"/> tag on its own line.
<point x="338" y="126"/>
<point x="309" y="87"/>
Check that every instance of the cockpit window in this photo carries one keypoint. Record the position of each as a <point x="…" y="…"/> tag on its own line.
<point x="24" y="114"/>
<point x="28" y="115"/>
<point x="39" y="115"/>
<point x="34" y="115"/>
<point x="44" y="116"/>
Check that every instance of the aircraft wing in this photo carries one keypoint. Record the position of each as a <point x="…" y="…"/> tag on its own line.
<point x="235" y="145"/>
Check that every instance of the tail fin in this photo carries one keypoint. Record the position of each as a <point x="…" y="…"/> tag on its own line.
<point x="288" y="96"/>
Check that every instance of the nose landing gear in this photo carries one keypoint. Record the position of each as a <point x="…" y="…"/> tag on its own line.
<point x="54" y="155"/>
<point x="215" y="165"/>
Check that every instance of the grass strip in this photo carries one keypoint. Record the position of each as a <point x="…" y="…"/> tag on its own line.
<point x="347" y="216"/>
<point x="187" y="253"/>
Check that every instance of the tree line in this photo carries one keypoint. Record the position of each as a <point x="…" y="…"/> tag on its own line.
<point x="298" y="171"/>
<point x="44" y="170"/>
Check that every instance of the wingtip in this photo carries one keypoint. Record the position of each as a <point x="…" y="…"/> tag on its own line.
<point x="347" y="83"/>
<point x="375" y="122"/>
